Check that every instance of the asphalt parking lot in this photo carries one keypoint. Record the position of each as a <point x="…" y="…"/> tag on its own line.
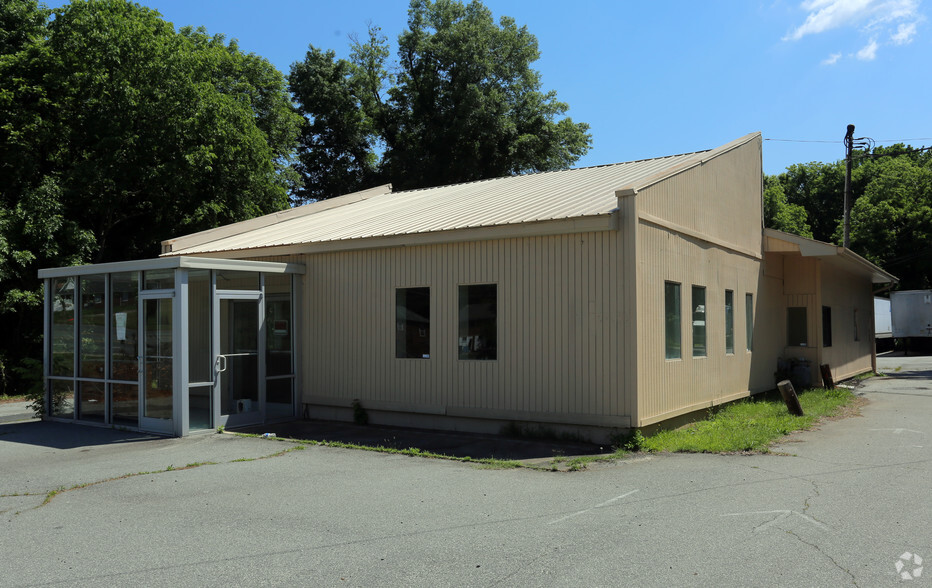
<point x="845" y="504"/>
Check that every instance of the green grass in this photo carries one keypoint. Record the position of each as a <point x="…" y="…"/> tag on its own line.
<point x="867" y="375"/>
<point x="4" y="398"/>
<point x="749" y="425"/>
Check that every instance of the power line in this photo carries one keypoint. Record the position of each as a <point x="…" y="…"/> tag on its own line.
<point x="903" y="140"/>
<point x="821" y="141"/>
<point x="801" y="141"/>
<point x="898" y="153"/>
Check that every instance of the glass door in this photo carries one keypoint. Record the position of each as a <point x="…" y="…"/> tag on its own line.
<point x="239" y="395"/>
<point x="156" y="369"/>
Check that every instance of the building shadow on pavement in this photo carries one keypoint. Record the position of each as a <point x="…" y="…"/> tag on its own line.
<point x="66" y="435"/>
<point x="454" y="444"/>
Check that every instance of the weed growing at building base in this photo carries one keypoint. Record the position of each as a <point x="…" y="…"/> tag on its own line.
<point x="749" y="425"/>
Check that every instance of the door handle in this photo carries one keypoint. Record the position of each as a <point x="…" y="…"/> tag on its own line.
<point x="218" y="363"/>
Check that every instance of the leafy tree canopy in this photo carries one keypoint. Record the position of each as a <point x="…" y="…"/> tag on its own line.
<point x="819" y="189"/>
<point x="462" y="103"/>
<point x="780" y="214"/>
<point x="147" y="133"/>
<point x="117" y="132"/>
<point x="891" y="216"/>
<point x="891" y="221"/>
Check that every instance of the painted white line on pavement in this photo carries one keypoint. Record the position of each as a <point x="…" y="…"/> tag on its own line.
<point x="603" y="504"/>
<point x="781" y="514"/>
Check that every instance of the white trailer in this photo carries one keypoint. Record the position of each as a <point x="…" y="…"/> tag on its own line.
<point x="911" y="313"/>
<point x="883" y="324"/>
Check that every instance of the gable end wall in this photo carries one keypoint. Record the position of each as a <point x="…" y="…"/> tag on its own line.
<point x="701" y="227"/>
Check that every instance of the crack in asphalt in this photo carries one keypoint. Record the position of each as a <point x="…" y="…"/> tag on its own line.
<point x="838" y="566"/>
<point x="521" y="568"/>
<point x="807" y="502"/>
<point x="49" y="495"/>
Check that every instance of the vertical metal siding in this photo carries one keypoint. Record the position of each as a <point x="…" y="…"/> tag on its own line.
<point x="667" y="386"/>
<point x="721" y="199"/>
<point x="845" y="293"/>
<point x="628" y="322"/>
<point x="557" y="352"/>
<point x="801" y="289"/>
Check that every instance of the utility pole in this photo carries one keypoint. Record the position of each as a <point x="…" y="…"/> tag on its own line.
<point x="849" y="140"/>
<point x="850" y="145"/>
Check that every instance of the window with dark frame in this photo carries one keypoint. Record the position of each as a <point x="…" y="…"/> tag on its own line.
<point x="729" y="322"/>
<point x="672" y="321"/>
<point x="412" y="323"/>
<point x="826" y="326"/>
<point x="749" y="320"/>
<point x="796" y="327"/>
<point x="699" y="322"/>
<point x="478" y="321"/>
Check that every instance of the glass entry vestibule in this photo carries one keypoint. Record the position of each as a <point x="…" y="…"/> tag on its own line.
<point x="172" y="345"/>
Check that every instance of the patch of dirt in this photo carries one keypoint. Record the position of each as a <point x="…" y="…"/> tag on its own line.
<point x="852" y="409"/>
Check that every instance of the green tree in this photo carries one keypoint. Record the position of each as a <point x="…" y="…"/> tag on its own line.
<point x="820" y="189"/>
<point x="337" y="141"/>
<point x="463" y="104"/>
<point x="21" y="21"/>
<point x="117" y="132"/>
<point x="780" y="214"/>
<point x="891" y="217"/>
<point x="891" y="221"/>
<point x="179" y="130"/>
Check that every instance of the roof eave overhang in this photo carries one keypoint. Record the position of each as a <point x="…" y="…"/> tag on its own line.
<point x="833" y="254"/>
<point x="162" y="263"/>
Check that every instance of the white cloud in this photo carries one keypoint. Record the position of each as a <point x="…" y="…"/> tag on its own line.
<point x="831" y="59"/>
<point x="868" y="52"/>
<point x="904" y="34"/>
<point x="828" y="14"/>
<point x="825" y="15"/>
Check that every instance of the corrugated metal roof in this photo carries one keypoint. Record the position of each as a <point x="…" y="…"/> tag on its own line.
<point x="502" y="201"/>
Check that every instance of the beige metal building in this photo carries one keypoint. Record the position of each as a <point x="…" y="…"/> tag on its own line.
<point x="596" y="299"/>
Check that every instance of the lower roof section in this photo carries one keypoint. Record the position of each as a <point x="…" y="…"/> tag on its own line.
<point x="163" y="263"/>
<point x="785" y="243"/>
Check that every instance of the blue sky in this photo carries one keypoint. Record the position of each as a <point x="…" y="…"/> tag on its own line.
<point x="666" y="77"/>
